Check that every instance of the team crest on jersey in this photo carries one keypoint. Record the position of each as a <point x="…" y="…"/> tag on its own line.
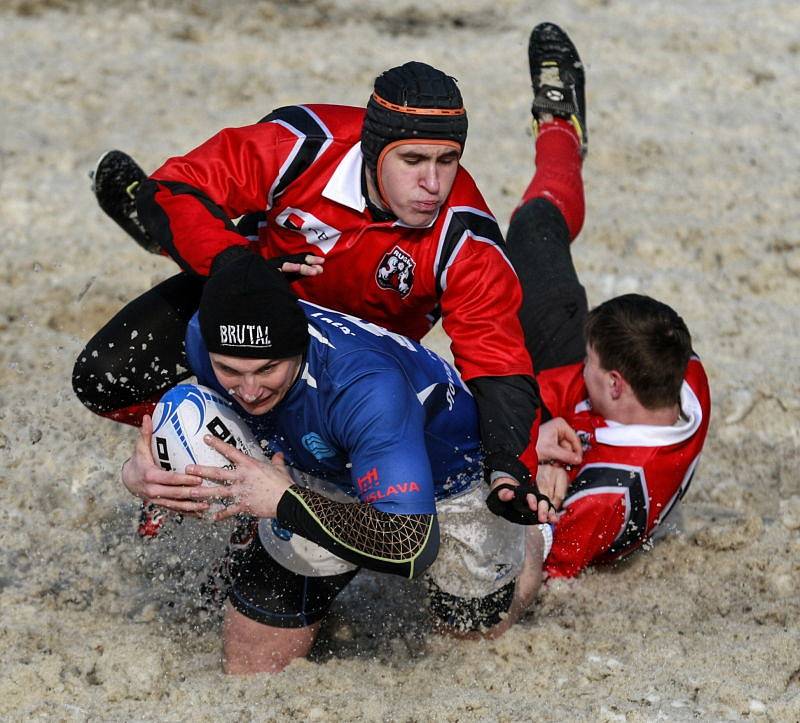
<point x="396" y="272"/>
<point x="585" y="439"/>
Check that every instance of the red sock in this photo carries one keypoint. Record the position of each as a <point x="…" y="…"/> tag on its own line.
<point x="558" y="173"/>
<point x="133" y="414"/>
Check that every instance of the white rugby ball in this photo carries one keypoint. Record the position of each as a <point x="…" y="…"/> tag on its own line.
<point x="181" y="419"/>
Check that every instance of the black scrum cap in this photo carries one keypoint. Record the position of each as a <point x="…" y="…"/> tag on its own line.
<point x="413" y="103"/>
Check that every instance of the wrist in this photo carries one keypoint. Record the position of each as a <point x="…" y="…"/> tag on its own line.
<point x="123" y="469"/>
<point x="555" y="463"/>
<point x="505" y="464"/>
<point x="497" y="474"/>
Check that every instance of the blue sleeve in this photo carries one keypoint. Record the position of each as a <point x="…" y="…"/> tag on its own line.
<point x="378" y="419"/>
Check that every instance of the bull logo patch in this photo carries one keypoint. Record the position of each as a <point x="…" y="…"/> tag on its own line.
<point x="396" y="272"/>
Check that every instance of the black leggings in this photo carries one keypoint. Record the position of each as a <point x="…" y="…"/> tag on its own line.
<point x="554" y="303"/>
<point x="140" y="352"/>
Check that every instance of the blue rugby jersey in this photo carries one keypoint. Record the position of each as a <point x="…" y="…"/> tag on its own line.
<point x="378" y="415"/>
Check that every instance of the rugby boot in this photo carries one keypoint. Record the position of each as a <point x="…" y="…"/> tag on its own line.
<point x="558" y="80"/>
<point x="115" y="180"/>
<point x="151" y="519"/>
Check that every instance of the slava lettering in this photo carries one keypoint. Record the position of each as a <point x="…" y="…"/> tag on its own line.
<point x="253" y="335"/>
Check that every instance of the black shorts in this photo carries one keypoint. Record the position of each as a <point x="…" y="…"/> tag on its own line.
<point x="265" y="591"/>
<point x="467" y="614"/>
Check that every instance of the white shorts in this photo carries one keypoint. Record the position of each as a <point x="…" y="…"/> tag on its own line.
<point x="479" y="552"/>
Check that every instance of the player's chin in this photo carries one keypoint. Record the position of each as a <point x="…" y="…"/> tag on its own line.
<point x="419" y="217"/>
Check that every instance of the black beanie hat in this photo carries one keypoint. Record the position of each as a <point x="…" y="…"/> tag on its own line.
<point x="248" y="310"/>
<point x="413" y="102"/>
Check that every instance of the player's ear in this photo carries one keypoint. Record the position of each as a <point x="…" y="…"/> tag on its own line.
<point x="616" y="383"/>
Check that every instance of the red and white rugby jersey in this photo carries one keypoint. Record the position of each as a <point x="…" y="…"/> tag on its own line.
<point x="302" y="165"/>
<point x="631" y="476"/>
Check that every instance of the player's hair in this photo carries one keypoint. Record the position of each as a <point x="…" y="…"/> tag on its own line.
<point x="644" y="340"/>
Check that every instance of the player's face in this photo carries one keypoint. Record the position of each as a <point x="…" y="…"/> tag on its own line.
<point x="258" y="385"/>
<point x="416" y="179"/>
<point x="597" y="382"/>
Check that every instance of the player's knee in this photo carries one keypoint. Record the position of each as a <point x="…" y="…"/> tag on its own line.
<point x="106" y="384"/>
<point x="464" y="615"/>
<point x="538" y="222"/>
<point x="250" y="647"/>
<point x="90" y="383"/>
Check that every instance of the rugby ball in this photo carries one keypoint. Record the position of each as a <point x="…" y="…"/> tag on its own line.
<point x="182" y="418"/>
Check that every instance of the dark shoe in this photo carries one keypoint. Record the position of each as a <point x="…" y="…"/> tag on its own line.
<point x="151" y="520"/>
<point x="558" y="79"/>
<point x="115" y="180"/>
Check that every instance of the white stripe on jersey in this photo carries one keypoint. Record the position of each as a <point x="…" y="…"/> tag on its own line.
<point x="319" y="336"/>
<point x="622" y="490"/>
<point x="307" y="378"/>
<point x="425" y="393"/>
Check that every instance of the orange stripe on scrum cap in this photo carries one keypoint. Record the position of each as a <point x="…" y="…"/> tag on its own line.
<point x="417" y="111"/>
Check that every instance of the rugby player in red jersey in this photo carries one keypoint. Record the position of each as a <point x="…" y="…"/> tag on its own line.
<point x="375" y="197"/>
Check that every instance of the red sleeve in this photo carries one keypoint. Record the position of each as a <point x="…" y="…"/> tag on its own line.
<point x="189" y="202"/>
<point x="479" y="314"/>
<point x="480" y="300"/>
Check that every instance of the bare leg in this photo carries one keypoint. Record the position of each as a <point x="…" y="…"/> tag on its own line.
<point x="250" y="647"/>
<point x="528" y="583"/>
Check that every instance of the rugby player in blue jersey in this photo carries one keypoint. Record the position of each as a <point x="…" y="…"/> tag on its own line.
<point x="374" y="438"/>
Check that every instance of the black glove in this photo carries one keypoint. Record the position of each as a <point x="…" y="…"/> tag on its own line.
<point x="223" y="258"/>
<point x="226" y="256"/>
<point x="279" y="261"/>
<point x="516" y="510"/>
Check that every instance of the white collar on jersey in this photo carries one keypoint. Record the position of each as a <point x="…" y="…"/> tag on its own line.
<point x="652" y="435"/>
<point x="344" y="186"/>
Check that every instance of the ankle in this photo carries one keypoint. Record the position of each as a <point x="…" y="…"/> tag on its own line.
<point x="549" y="124"/>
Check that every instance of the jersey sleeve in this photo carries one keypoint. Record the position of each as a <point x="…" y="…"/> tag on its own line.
<point x="378" y="419"/>
<point x="561" y="388"/>
<point x="480" y="298"/>
<point x="585" y="531"/>
<point x="480" y="301"/>
<point x="187" y="204"/>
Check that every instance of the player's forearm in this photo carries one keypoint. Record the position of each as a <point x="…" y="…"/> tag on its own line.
<point x="402" y="545"/>
<point x="507" y="408"/>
